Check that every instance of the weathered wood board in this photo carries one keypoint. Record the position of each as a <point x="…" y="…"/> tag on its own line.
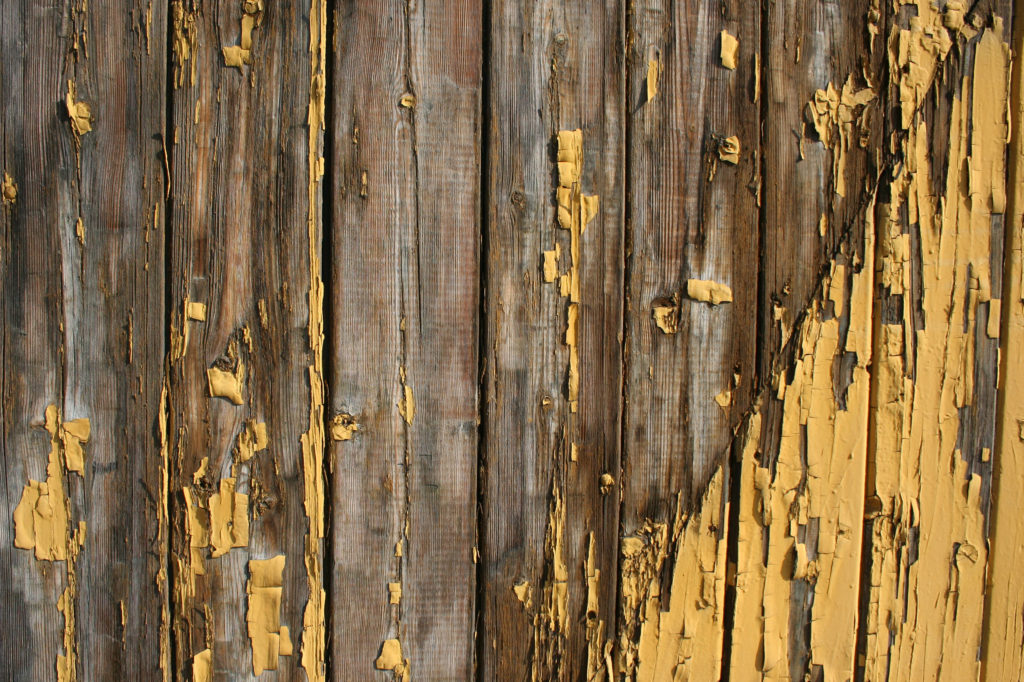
<point x="511" y="340"/>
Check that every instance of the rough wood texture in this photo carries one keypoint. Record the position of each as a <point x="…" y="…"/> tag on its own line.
<point x="240" y="247"/>
<point x="693" y="216"/>
<point x="553" y="66"/>
<point x="808" y="46"/>
<point x="490" y="443"/>
<point x="76" y="336"/>
<point x="404" y="292"/>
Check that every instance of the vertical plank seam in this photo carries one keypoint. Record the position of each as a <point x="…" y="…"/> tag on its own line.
<point x="627" y="255"/>
<point x="1012" y="172"/>
<point x="867" y="535"/>
<point x="168" y="606"/>
<point x="733" y="462"/>
<point x="327" y="273"/>
<point x="483" y="243"/>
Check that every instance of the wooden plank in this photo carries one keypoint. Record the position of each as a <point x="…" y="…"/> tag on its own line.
<point x="81" y="262"/>
<point x="940" y="278"/>
<point x="553" y="357"/>
<point x="244" y="366"/>
<point x="802" y="461"/>
<point x="404" y="287"/>
<point x="812" y="198"/>
<point x="1001" y="655"/>
<point x="693" y="217"/>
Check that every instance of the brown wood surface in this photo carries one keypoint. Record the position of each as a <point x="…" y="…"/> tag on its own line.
<point x="83" y="329"/>
<point x="478" y="509"/>
<point x="239" y="245"/>
<point x="553" y="66"/>
<point x="692" y="216"/>
<point x="404" y="299"/>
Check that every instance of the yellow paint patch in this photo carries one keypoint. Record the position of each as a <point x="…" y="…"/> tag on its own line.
<point x="730" y="48"/>
<point x="8" y="190"/>
<point x="268" y="638"/>
<point x="714" y="293"/>
<point x="226" y="384"/>
<point x="78" y="112"/>
<point x="390" y="658"/>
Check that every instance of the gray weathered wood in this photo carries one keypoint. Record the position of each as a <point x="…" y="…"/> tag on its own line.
<point x="83" y="331"/>
<point x="404" y="296"/>
<point x="241" y="247"/>
<point x="553" y="66"/>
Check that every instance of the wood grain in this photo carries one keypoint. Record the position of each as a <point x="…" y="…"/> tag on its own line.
<point x="76" y="336"/>
<point x="692" y="216"/>
<point x="552" y="66"/>
<point x="240" y="246"/>
<point x="404" y="293"/>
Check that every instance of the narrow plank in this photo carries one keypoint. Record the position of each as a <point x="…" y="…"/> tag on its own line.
<point x="693" y="216"/>
<point x="552" y="356"/>
<point x="1001" y="656"/>
<point x="244" y="382"/>
<point x="404" y="295"/>
<point x="82" y="339"/>
<point x="940" y="277"/>
<point x="812" y="198"/>
<point x="804" y="455"/>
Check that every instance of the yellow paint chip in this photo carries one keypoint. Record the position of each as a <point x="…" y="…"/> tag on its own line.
<point x="343" y="427"/>
<point x="653" y="73"/>
<point x="202" y="666"/>
<point x="268" y="638"/>
<point x="729" y="50"/>
<point x="666" y="316"/>
<point x="394" y="593"/>
<point x="226" y="384"/>
<point x="390" y="658"/>
<point x="523" y="593"/>
<point x="551" y="263"/>
<point x="195" y="311"/>
<point x="407" y="405"/>
<point x="729" y="149"/>
<point x="78" y="112"/>
<point x="9" y="190"/>
<point x="408" y="101"/>
<point x="229" y="518"/>
<point x="252" y="439"/>
<point x="252" y="17"/>
<point x="708" y="291"/>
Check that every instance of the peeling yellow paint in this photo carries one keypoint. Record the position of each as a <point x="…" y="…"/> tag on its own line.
<point x="1002" y="657"/>
<point x="227" y="384"/>
<point x="252" y="439"/>
<point x="714" y="293"/>
<point x="343" y="427"/>
<point x="79" y="113"/>
<point x="9" y="190"/>
<point x="407" y="403"/>
<point x="202" y="666"/>
<point x="42" y="522"/>
<point x="269" y="639"/>
<point x="681" y="639"/>
<point x="926" y="497"/>
<point x="390" y="658"/>
<point x="730" y="48"/>
<point x="840" y="119"/>
<point x="653" y="74"/>
<point x="729" y="149"/>
<point x="314" y="439"/>
<point x="183" y="41"/>
<point x="252" y="17"/>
